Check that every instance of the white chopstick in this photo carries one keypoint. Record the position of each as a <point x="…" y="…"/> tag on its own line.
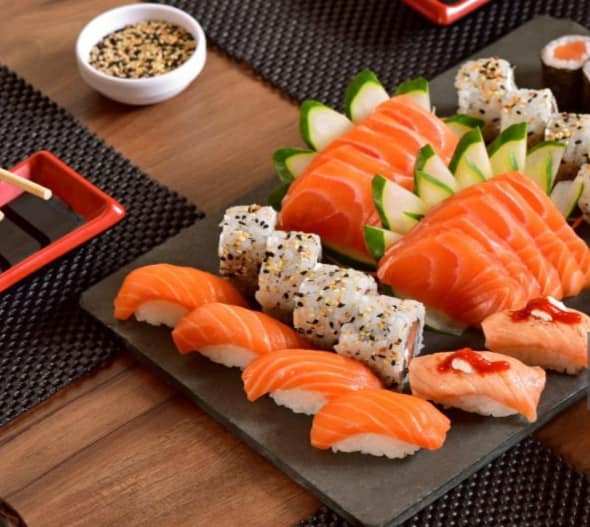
<point x="25" y="184"/>
<point x="1" y="215"/>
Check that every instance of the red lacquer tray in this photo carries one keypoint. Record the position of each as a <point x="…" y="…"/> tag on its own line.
<point x="447" y="12"/>
<point x="97" y="210"/>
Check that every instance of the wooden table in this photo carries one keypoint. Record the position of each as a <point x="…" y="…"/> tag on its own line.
<point x="120" y="447"/>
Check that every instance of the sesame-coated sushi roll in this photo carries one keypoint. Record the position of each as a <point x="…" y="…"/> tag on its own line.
<point x="481" y="86"/>
<point x="562" y="61"/>
<point x="327" y="299"/>
<point x="288" y="259"/>
<point x="385" y="335"/>
<point x="242" y="243"/>
<point x="572" y="129"/>
<point x="534" y="107"/>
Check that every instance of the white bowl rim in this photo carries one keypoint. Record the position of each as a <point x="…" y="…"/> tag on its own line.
<point x="196" y="30"/>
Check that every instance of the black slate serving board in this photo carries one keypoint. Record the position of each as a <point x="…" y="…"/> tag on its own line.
<point x="364" y="489"/>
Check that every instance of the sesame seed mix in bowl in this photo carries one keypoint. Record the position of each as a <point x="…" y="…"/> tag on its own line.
<point x="142" y="50"/>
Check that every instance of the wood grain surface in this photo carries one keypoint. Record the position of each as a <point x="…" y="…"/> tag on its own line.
<point x="120" y="447"/>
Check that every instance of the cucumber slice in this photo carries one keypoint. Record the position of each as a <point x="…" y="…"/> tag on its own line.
<point x="276" y="196"/>
<point x="542" y="163"/>
<point x="363" y="94"/>
<point x="291" y="162"/>
<point x="320" y="125"/>
<point x="418" y="89"/>
<point x="398" y="208"/>
<point x="461" y="123"/>
<point x="441" y="323"/>
<point x="347" y="257"/>
<point x="508" y="151"/>
<point x="566" y="194"/>
<point x="470" y="163"/>
<point x="433" y="182"/>
<point x="378" y="240"/>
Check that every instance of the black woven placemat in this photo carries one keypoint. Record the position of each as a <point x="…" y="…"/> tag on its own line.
<point x="311" y="48"/>
<point x="46" y="340"/>
<point x="528" y="486"/>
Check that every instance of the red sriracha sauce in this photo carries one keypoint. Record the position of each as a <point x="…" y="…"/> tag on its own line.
<point x="550" y="309"/>
<point x="475" y="360"/>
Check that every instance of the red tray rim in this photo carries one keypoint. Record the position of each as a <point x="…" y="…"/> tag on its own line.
<point x="111" y="214"/>
<point x="443" y="14"/>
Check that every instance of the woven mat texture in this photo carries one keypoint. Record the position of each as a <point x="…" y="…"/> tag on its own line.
<point x="46" y="340"/>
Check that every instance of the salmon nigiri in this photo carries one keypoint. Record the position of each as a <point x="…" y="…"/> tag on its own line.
<point x="163" y="293"/>
<point x="481" y="382"/>
<point x="233" y="335"/>
<point x="304" y="380"/>
<point x="545" y="333"/>
<point x="379" y="422"/>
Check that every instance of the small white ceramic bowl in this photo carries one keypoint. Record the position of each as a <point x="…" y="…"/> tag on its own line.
<point x="140" y="91"/>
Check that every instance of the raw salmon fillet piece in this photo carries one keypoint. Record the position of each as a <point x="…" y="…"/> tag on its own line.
<point x="525" y="247"/>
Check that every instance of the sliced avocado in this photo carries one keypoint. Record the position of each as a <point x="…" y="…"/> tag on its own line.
<point x="418" y="89"/>
<point x="542" y="163"/>
<point x="398" y="208"/>
<point x="320" y="125"/>
<point x="470" y="163"/>
<point x="378" y="240"/>
<point x="363" y="94"/>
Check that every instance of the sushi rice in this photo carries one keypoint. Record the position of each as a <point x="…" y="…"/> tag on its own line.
<point x="482" y="85"/>
<point x="385" y="335"/>
<point x="242" y="243"/>
<point x="289" y="257"/>
<point x="534" y="107"/>
<point x="327" y="299"/>
<point x="573" y="129"/>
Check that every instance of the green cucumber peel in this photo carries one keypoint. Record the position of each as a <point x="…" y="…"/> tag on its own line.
<point x="378" y="240"/>
<point x="291" y="162"/>
<point x="275" y="198"/>
<point x="362" y="95"/>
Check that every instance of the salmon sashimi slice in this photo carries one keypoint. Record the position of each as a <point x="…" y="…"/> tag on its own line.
<point x="550" y="243"/>
<point x="333" y="201"/>
<point x="477" y="210"/>
<point x="543" y="206"/>
<point x="453" y="273"/>
<point x="398" y="155"/>
<point x="304" y="380"/>
<point x="233" y="335"/>
<point x="164" y="293"/>
<point x="549" y="249"/>
<point x="351" y="155"/>
<point x="539" y="342"/>
<point x="410" y="114"/>
<point x="379" y="422"/>
<point x="514" y="390"/>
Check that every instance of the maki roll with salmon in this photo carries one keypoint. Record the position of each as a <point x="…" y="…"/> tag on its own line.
<point x="480" y="382"/>
<point x="289" y="257"/>
<point x="328" y="298"/>
<point x="385" y="334"/>
<point x="572" y="129"/>
<point x="534" y="107"/>
<point x="545" y="333"/>
<point x="242" y="243"/>
<point x="481" y="86"/>
<point x="562" y="60"/>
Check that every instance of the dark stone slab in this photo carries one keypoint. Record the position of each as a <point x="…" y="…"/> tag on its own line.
<point x="364" y="489"/>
